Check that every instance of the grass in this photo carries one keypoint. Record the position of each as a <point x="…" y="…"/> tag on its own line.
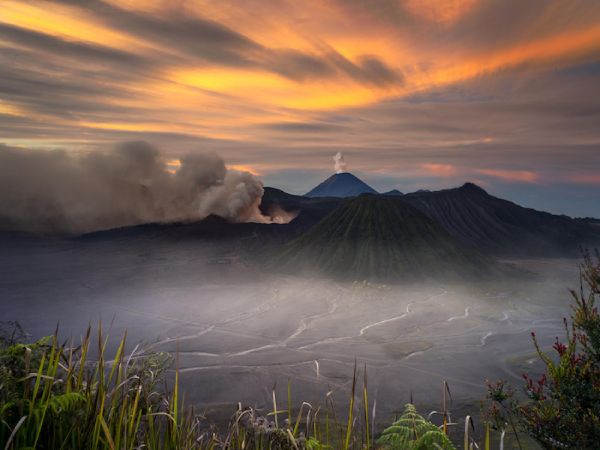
<point x="56" y="396"/>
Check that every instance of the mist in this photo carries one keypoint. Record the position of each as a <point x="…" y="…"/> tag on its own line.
<point x="238" y="330"/>
<point x="56" y="192"/>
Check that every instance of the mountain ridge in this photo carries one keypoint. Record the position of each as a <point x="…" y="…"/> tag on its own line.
<point x="500" y="226"/>
<point x="468" y="214"/>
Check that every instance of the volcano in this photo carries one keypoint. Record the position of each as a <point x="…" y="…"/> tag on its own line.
<point x="376" y="236"/>
<point x="341" y="185"/>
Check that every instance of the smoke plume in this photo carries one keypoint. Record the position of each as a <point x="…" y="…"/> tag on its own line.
<point x="340" y="164"/>
<point x="58" y="192"/>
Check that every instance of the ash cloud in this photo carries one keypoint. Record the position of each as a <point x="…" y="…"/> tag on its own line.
<point x="57" y="192"/>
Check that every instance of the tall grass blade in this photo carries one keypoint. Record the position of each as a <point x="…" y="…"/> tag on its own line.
<point x="109" y="439"/>
<point x="14" y="432"/>
<point x="275" y="407"/>
<point x="350" y="411"/>
<point x="289" y="400"/>
<point x="366" y="406"/>
<point x="466" y="436"/>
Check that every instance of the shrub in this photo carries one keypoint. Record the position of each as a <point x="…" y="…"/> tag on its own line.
<point x="562" y="409"/>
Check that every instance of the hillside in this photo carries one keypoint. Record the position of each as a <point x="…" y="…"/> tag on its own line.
<point x="381" y="237"/>
<point x="491" y="224"/>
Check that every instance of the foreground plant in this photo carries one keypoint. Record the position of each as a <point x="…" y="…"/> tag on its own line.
<point x="562" y="410"/>
<point x="413" y="432"/>
<point x="53" y="397"/>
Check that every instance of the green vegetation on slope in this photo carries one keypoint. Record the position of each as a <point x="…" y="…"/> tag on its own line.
<point x="381" y="237"/>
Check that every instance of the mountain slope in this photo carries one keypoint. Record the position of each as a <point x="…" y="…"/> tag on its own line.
<point x="341" y="185"/>
<point x="381" y="237"/>
<point x="499" y="226"/>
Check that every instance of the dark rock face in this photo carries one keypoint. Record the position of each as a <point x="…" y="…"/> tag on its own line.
<point x="341" y="185"/>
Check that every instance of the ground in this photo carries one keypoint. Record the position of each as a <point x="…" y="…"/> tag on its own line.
<point x="239" y="331"/>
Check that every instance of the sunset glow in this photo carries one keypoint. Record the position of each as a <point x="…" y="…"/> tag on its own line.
<point x="286" y="84"/>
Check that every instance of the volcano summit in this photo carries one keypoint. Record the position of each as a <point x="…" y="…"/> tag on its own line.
<point x="341" y="185"/>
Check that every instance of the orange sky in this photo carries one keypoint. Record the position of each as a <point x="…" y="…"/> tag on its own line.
<point x="274" y="85"/>
<point x="179" y="89"/>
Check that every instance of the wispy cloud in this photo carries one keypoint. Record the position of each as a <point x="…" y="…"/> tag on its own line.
<point x="584" y="178"/>
<point x="430" y="89"/>
<point x="442" y="170"/>
<point x="522" y="176"/>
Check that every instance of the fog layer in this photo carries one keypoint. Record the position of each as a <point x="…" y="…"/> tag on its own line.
<point x="238" y="331"/>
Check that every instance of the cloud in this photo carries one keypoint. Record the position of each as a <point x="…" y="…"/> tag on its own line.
<point x="584" y="178"/>
<point x="208" y="40"/>
<point x="304" y="127"/>
<point x="175" y="30"/>
<point x="440" y="11"/>
<point x="443" y="170"/>
<point x="507" y="175"/>
<point x="45" y="44"/>
<point x="286" y="85"/>
<point x="367" y="69"/>
<point x="297" y="65"/>
<point x="58" y="192"/>
<point x="522" y="176"/>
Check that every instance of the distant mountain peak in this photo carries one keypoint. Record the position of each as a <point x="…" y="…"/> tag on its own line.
<point x="472" y="187"/>
<point x="342" y="184"/>
<point x="393" y="192"/>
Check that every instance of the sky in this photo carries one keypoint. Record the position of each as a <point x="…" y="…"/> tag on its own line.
<point x="417" y="94"/>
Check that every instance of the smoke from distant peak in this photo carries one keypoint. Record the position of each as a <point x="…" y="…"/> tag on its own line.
<point x="60" y="192"/>
<point x="340" y="164"/>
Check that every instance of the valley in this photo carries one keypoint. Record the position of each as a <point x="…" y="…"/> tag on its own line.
<point x="240" y="331"/>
